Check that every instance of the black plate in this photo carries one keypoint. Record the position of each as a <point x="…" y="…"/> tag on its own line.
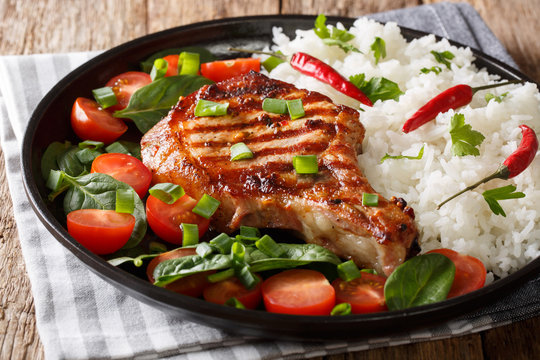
<point x="50" y="122"/>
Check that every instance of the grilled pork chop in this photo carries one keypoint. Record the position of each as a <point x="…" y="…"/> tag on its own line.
<point x="265" y="191"/>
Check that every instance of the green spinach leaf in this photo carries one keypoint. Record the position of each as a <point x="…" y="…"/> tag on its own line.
<point x="293" y="255"/>
<point x="50" y="156"/>
<point x="171" y="270"/>
<point x="70" y="163"/>
<point x="422" y="280"/>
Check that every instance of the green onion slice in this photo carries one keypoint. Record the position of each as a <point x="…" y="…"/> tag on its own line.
<point x="188" y="63"/>
<point x="55" y="180"/>
<point x="246" y="277"/>
<point x="272" y="62"/>
<point x="296" y="108"/>
<point x="370" y="199"/>
<point x="341" y="309"/>
<point x="250" y="232"/>
<point x="91" y="144"/>
<point x="159" y="69"/>
<point x="105" y="96"/>
<point x="157" y="247"/>
<point x="210" y="108"/>
<point x="206" y="207"/>
<point x="204" y="249"/>
<point x="240" y="151"/>
<point x="125" y="201"/>
<point x="275" y="106"/>
<point x="269" y="247"/>
<point x="167" y="192"/>
<point x="190" y="234"/>
<point x="223" y="243"/>
<point x="306" y="164"/>
<point x="238" y="251"/>
<point x="235" y="303"/>
<point x="220" y="276"/>
<point x="348" y="271"/>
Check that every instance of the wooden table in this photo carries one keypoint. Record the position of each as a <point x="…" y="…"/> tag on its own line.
<point x="39" y="26"/>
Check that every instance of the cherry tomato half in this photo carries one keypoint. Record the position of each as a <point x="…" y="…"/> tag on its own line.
<point x="125" y="84"/>
<point x="222" y="291"/>
<point x="90" y="122"/>
<point x="226" y="69"/>
<point x="192" y="285"/>
<point x="470" y="272"/>
<point x="100" y="231"/>
<point x="298" y="292"/>
<point x="125" y="168"/>
<point x="165" y="219"/>
<point x="365" y="294"/>
<point x="172" y="61"/>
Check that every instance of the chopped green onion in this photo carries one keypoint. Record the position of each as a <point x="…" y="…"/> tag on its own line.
<point x="296" y="108"/>
<point x="125" y="201"/>
<point x="272" y="62"/>
<point x="87" y="155"/>
<point x="240" y="151"/>
<point x="105" y="96"/>
<point x="250" y="232"/>
<point x="238" y="251"/>
<point x="167" y="192"/>
<point x="210" y="108"/>
<point x="206" y="207"/>
<point x="348" y="271"/>
<point x="306" y="164"/>
<point x="245" y="239"/>
<point x="370" y="199"/>
<point x="341" y="309"/>
<point x="246" y="277"/>
<point x="157" y="247"/>
<point x="223" y="243"/>
<point x="117" y="147"/>
<point x="55" y="180"/>
<point x="220" y="276"/>
<point x="275" y="106"/>
<point x="159" y="69"/>
<point x="369" y="271"/>
<point x="269" y="247"/>
<point x="235" y="303"/>
<point x="94" y="145"/>
<point x="190" y="234"/>
<point x="204" y="249"/>
<point x="188" y="63"/>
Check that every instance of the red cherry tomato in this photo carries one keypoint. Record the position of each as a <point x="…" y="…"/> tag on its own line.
<point x="165" y="219"/>
<point x="90" y="122"/>
<point x="100" y="231"/>
<point x="298" y="292"/>
<point x="125" y="84"/>
<point x="172" y="68"/>
<point x="125" y="168"/>
<point x="222" y="291"/>
<point x="192" y="285"/>
<point x="226" y="69"/>
<point x="470" y="272"/>
<point x="365" y="294"/>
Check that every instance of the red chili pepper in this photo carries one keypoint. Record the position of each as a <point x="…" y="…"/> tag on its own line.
<point x="514" y="164"/>
<point x="311" y="66"/>
<point x="452" y="98"/>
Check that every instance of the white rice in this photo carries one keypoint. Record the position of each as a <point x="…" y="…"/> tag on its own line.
<point x="466" y="224"/>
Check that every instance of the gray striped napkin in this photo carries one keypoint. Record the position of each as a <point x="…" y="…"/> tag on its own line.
<point x="80" y="316"/>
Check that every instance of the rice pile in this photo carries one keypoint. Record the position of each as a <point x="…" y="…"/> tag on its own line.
<point x="466" y="224"/>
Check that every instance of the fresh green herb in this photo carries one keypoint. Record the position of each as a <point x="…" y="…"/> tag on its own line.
<point x="171" y="270"/>
<point x="204" y="56"/>
<point x="90" y="144"/>
<point x="377" y="88"/>
<point x="296" y="108"/>
<point x="293" y="255"/>
<point x="333" y="36"/>
<point x="238" y="251"/>
<point x="499" y="99"/>
<point x="137" y="261"/>
<point x="348" y="271"/>
<point x="269" y="247"/>
<point x="220" y="276"/>
<point x="206" y="207"/>
<point x="369" y="271"/>
<point x="421" y="280"/>
<point x="55" y="180"/>
<point x="240" y="151"/>
<point x="48" y="160"/>
<point x="159" y="69"/>
<point x="204" y="249"/>
<point x="370" y="199"/>
<point x="125" y="147"/>
<point x="436" y="69"/>
<point x="399" y="157"/>
<point x="247" y="277"/>
<point x="341" y="309"/>
<point x="464" y="138"/>
<point x="151" y="102"/>
<point x="105" y="97"/>
<point x="443" y="57"/>
<point x="379" y="49"/>
<point x="503" y="193"/>
<point x="69" y="163"/>
<point x="167" y="192"/>
<point x="190" y="234"/>
<point x="235" y="303"/>
<point x="305" y="164"/>
<point x="210" y="108"/>
<point x="188" y="63"/>
<point x="275" y="106"/>
<point x="222" y="243"/>
<point x="125" y="201"/>
<point x="86" y="156"/>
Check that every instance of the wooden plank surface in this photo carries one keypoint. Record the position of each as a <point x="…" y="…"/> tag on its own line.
<point x="30" y="26"/>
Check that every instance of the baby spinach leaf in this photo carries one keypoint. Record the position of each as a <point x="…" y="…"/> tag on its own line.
<point x="98" y="191"/>
<point x="151" y="102"/>
<point x="70" y="163"/>
<point x="50" y="156"/>
<point x="293" y="255"/>
<point x="174" y="269"/>
<point x="502" y="193"/>
<point x="377" y="88"/>
<point x="464" y="138"/>
<point x="204" y="56"/>
<point x="422" y="280"/>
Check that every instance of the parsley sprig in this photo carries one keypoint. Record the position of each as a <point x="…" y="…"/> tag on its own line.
<point x="464" y="139"/>
<point x="379" y="49"/>
<point x="333" y="36"/>
<point x="499" y="99"/>
<point x="377" y="88"/>
<point x="443" y="57"/>
<point x="398" y="157"/>
<point x="493" y="196"/>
